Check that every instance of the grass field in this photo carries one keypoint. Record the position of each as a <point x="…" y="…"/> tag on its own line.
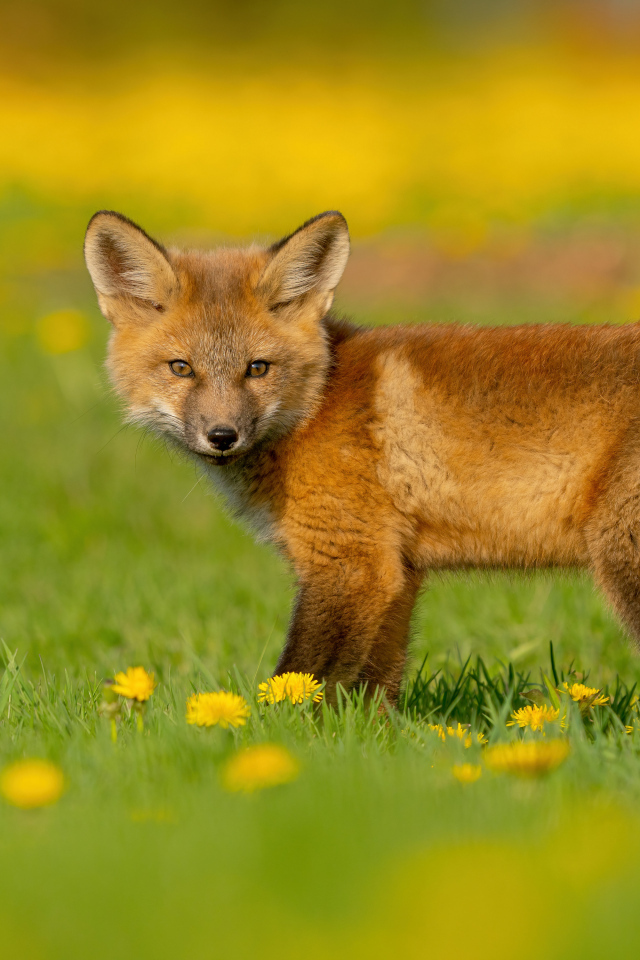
<point x="115" y="555"/>
<point x="487" y="161"/>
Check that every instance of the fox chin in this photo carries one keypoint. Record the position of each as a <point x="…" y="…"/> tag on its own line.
<point x="370" y="457"/>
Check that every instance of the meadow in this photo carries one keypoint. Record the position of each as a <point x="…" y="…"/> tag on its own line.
<point x="492" y="185"/>
<point x="116" y="555"/>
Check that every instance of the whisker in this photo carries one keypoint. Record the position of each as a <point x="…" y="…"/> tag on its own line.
<point x="123" y="427"/>
<point x="159" y="422"/>
<point x="141" y="440"/>
<point x="88" y="410"/>
<point x="201" y="477"/>
<point x="168" y="449"/>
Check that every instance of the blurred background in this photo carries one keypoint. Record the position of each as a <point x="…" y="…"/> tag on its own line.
<point x="491" y="146"/>
<point x="487" y="158"/>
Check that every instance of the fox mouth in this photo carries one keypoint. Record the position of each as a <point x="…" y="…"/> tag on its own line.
<point x="221" y="459"/>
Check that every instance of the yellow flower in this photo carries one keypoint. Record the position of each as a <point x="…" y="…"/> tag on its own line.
<point x="32" y="783"/>
<point x="534" y="717"/>
<point x="295" y="687"/>
<point x="62" y="331"/>
<point x="439" y="729"/>
<point x="223" y="708"/>
<point x="135" y="684"/>
<point x="527" y="758"/>
<point x="590" y="696"/>
<point x="467" y="772"/>
<point x="265" y="765"/>
<point x="462" y="733"/>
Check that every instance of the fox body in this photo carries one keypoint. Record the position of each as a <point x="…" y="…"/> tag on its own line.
<point x="372" y="456"/>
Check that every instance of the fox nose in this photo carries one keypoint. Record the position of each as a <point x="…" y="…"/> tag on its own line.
<point x="222" y="438"/>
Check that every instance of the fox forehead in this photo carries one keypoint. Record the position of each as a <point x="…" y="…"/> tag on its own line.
<point x="216" y="317"/>
<point x="219" y="277"/>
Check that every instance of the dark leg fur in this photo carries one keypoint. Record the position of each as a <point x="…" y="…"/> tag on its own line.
<point x="385" y="665"/>
<point x="351" y="626"/>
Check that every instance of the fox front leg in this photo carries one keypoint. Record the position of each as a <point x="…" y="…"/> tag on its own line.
<point x="351" y="625"/>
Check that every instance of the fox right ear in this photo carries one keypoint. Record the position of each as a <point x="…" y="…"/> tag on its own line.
<point x="308" y="263"/>
<point x="126" y="264"/>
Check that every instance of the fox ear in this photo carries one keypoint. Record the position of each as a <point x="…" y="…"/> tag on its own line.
<point x="310" y="261"/>
<point x="126" y="264"/>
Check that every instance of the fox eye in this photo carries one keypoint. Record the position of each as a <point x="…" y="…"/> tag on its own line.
<point x="258" y="368"/>
<point x="181" y="368"/>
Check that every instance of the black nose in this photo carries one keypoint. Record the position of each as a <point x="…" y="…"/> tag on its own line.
<point x="222" y="438"/>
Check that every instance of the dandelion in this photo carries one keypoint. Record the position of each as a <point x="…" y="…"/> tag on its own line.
<point x="534" y="717"/>
<point x="32" y="783"/>
<point x="136" y="684"/>
<point x="467" y="772"/>
<point x="222" y="708"/>
<point x="439" y="729"/>
<point x="295" y="687"/>
<point x="462" y="733"/>
<point x="527" y="758"/>
<point x="587" y="696"/>
<point x="265" y="765"/>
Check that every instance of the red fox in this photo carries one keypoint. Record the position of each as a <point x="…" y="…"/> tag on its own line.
<point x="372" y="456"/>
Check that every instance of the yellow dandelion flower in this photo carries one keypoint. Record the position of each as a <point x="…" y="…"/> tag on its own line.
<point x="467" y="772"/>
<point x="439" y="729"/>
<point x="589" y="696"/>
<point x="222" y="708"/>
<point x="527" y="758"/>
<point x="32" y="783"/>
<point x="135" y="684"/>
<point x="272" y="690"/>
<point x="534" y="717"/>
<point x="265" y="765"/>
<point x="462" y="733"/>
<point x="295" y="687"/>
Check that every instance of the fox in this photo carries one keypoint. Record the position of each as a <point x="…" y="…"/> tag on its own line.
<point x="372" y="457"/>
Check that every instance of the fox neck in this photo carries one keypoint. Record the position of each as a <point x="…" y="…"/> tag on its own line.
<point x="253" y="486"/>
<point x="248" y="487"/>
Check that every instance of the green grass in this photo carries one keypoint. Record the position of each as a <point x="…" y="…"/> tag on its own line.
<point x="114" y="555"/>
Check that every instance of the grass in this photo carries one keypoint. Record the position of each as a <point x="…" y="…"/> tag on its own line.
<point x="114" y="555"/>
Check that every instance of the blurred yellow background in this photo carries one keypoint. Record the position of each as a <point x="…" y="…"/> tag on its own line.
<point x="269" y="119"/>
<point x="468" y="127"/>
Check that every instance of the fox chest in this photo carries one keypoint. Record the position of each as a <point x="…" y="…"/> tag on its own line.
<point x="245" y="498"/>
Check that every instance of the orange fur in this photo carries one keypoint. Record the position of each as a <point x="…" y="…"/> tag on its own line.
<point x="370" y="457"/>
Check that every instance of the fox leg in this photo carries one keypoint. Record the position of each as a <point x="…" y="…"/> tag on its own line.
<point x="350" y="622"/>
<point x="614" y="546"/>
<point x="385" y="664"/>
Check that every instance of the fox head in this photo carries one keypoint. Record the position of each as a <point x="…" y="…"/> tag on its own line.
<point x="221" y="350"/>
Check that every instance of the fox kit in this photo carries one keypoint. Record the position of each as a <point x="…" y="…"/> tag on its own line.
<point x="372" y="456"/>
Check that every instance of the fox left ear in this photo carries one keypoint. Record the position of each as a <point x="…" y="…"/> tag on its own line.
<point x="308" y="263"/>
<point x="131" y="272"/>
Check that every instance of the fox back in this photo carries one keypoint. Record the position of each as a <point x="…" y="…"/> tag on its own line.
<point x="370" y="457"/>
